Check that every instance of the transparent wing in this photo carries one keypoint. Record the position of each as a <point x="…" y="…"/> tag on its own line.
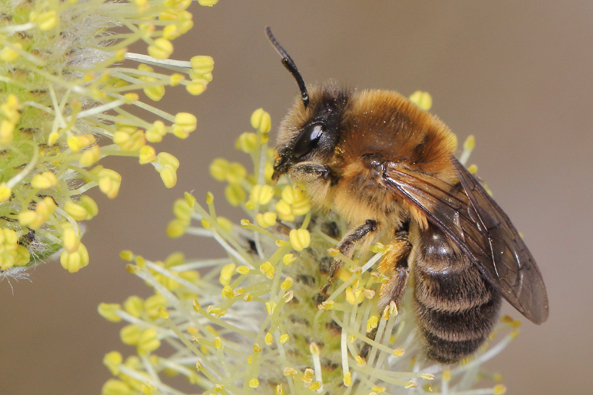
<point x="473" y="220"/>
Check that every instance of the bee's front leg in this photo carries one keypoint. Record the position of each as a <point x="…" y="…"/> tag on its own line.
<point x="347" y="245"/>
<point x="308" y="172"/>
<point x="313" y="178"/>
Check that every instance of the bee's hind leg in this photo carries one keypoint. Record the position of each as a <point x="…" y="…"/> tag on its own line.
<point x="394" y="266"/>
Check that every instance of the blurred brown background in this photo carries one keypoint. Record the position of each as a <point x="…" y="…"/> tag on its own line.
<point x="516" y="75"/>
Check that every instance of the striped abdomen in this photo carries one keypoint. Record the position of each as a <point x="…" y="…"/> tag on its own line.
<point x="456" y="307"/>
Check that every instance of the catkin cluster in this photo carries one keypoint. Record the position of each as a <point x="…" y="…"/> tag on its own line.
<point x="66" y="100"/>
<point x="255" y="320"/>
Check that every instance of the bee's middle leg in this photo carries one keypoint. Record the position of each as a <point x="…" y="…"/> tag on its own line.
<point x="347" y="245"/>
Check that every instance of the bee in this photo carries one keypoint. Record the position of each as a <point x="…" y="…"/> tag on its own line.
<point x="388" y="169"/>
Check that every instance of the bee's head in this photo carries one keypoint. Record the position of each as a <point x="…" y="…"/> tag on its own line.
<point x="312" y="127"/>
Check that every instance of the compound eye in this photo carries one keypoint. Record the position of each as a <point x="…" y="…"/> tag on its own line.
<point x="307" y="140"/>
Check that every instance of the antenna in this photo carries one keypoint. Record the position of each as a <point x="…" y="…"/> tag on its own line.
<point x="290" y="66"/>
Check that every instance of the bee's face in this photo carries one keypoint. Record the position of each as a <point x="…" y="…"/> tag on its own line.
<point x="311" y="133"/>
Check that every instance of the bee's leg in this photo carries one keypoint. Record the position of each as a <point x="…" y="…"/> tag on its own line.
<point x="394" y="265"/>
<point x="314" y="178"/>
<point x="347" y="246"/>
<point x="307" y="172"/>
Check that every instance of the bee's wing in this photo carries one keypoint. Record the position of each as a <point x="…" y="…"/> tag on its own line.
<point x="473" y="220"/>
